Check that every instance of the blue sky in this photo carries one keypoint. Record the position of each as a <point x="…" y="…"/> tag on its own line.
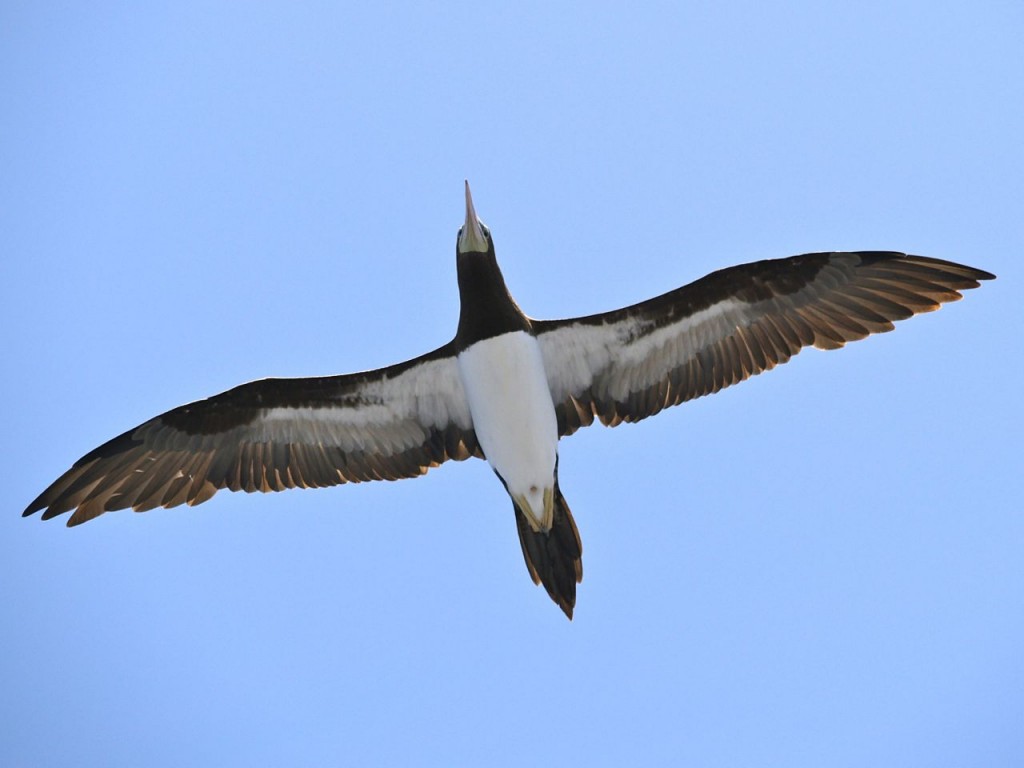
<point x="821" y="566"/>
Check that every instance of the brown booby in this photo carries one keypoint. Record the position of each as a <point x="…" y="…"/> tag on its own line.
<point x="506" y="389"/>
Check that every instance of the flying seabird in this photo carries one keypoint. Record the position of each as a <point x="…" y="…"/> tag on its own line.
<point x="506" y="389"/>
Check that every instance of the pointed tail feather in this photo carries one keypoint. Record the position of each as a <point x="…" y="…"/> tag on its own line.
<point x="554" y="557"/>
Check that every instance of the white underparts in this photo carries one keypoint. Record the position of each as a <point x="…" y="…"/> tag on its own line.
<point x="514" y="418"/>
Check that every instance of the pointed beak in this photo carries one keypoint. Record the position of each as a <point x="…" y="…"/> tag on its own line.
<point x="472" y="237"/>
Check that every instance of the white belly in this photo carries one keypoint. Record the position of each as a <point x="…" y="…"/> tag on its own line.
<point x="512" y="411"/>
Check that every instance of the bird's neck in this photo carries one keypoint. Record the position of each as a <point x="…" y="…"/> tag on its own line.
<point x="488" y="309"/>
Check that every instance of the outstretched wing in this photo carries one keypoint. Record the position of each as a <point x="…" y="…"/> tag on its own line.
<point x="631" y="363"/>
<point x="274" y="434"/>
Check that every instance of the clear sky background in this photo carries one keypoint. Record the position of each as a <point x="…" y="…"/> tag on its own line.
<point x="821" y="566"/>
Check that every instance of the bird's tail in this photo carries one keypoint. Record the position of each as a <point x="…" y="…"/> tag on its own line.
<point x="554" y="557"/>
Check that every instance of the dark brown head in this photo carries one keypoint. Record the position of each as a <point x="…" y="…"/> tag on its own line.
<point x="487" y="307"/>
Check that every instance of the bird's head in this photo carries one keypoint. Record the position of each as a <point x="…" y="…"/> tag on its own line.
<point x="474" y="236"/>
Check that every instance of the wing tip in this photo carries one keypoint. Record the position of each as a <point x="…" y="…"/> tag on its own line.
<point x="41" y="502"/>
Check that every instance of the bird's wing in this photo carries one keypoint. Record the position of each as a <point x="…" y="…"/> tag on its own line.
<point x="631" y="363"/>
<point x="274" y="434"/>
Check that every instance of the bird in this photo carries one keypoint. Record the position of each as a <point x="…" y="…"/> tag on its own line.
<point x="506" y="389"/>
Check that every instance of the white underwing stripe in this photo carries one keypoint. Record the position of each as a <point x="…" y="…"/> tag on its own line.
<point x="575" y="354"/>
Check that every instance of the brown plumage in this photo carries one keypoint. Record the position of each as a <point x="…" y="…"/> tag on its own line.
<point x="554" y="558"/>
<point x="398" y="422"/>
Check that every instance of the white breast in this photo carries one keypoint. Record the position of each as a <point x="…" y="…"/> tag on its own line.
<point x="513" y="414"/>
